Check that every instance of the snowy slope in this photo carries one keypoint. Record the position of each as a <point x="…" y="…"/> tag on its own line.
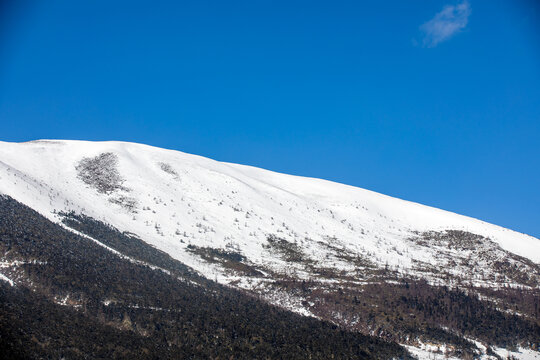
<point x="173" y="199"/>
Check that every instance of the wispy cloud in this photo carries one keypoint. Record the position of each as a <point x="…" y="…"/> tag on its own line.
<point x="449" y="21"/>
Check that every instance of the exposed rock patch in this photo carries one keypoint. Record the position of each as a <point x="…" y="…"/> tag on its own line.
<point x="168" y="169"/>
<point x="101" y="173"/>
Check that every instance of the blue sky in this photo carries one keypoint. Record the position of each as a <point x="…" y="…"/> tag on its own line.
<point x="431" y="101"/>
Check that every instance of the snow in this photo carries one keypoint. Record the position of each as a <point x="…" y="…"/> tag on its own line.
<point x="5" y="278"/>
<point x="437" y="352"/>
<point x="181" y="199"/>
<point x="521" y="354"/>
<point x="423" y="353"/>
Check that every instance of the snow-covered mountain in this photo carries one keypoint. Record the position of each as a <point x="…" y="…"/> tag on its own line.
<point x="172" y="199"/>
<point x="255" y="229"/>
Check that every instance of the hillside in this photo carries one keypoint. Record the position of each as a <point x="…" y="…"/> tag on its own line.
<point x="75" y="298"/>
<point x="364" y="261"/>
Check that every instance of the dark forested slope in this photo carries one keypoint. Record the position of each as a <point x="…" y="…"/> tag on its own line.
<point x="75" y="299"/>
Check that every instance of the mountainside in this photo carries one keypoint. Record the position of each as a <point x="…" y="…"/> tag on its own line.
<point x="364" y="261"/>
<point x="71" y="298"/>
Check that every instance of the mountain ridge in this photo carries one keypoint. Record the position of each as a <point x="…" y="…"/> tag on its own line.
<point x="262" y="175"/>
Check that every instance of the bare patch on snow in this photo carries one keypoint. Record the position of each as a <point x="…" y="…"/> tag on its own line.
<point x="101" y="173"/>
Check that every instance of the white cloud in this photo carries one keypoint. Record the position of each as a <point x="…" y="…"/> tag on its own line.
<point x="449" y="21"/>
